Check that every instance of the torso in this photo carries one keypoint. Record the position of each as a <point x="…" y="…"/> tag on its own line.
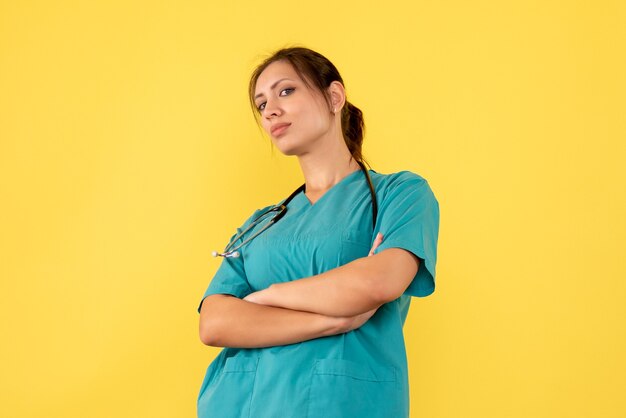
<point x="356" y="374"/>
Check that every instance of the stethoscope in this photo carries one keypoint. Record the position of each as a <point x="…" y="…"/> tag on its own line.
<point x="275" y="213"/>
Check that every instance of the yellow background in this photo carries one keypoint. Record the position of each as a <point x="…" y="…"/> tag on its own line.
<point x="128" y="153"/>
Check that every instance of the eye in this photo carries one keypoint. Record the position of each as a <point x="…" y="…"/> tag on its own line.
<point x="283" y="92"/>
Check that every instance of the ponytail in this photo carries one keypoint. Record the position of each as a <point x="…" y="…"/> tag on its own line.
<point x="353" y="128"/>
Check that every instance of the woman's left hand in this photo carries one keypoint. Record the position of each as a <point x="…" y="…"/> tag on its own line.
<point x="377" y="241"/>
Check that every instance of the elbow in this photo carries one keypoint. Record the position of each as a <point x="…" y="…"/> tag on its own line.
<point x="209" y="340"/>
<point x="391" y="281"/>
<point x="385" y="289"/>
<point x="209" y="326"/>
<point x="207" y="336"/>
<point x="205" y="339"/>
<point x="383" y="293"/>
<point x="209" y="333"/>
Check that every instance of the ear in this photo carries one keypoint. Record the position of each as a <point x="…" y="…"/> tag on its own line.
<point x="337" y="96"/>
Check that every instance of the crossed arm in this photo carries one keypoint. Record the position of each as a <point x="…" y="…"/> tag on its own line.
<point x="337" y="301"/>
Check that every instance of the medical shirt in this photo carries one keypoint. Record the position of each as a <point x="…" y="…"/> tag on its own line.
<point x="359" y="374"/>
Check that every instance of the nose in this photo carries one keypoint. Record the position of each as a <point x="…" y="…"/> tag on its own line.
<point x="271" y="109"/>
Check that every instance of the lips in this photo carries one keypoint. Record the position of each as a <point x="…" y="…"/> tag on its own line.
<point x="279" y="128"/>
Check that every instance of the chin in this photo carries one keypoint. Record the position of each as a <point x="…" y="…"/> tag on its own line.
<point x="287" y="148"/>
<point x="289" y="151"/>
<point x="295" y="146"/>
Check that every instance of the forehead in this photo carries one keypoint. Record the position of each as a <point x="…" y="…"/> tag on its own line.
<point x="274" y="72"/>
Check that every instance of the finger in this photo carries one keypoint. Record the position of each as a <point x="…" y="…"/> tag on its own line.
<point x="377" y="242"/>
<point x="250" y="298"/>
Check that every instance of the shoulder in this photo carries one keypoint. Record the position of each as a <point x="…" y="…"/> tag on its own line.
<point x="262" y="210"/>
<point x="400" y="182"/>
<point x="256" y="214"/>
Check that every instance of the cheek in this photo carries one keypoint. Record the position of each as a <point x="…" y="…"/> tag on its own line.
<point x="265" y="125"/>
<point x="318" y="124"/>
<point x="316" y="119"/>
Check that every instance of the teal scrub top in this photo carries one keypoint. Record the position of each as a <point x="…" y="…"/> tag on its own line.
<point x="361" y="373"/>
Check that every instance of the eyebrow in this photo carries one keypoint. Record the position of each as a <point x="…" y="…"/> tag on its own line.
<point x="272" y="87"/>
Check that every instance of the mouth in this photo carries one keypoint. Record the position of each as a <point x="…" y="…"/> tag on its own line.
<point x="279" y="128"/>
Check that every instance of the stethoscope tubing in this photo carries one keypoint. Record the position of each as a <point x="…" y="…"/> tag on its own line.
<point x="231" y="251"/>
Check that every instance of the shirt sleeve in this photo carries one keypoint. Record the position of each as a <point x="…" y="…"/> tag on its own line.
<point x="409" y="219"/>
<point x="230" y="278"/>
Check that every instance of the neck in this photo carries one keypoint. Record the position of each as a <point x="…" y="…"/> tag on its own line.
<point x="325" y="168"/>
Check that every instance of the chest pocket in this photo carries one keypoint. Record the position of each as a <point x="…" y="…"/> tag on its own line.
<point x="271" y="259"/>
<point x="355" y="243"/>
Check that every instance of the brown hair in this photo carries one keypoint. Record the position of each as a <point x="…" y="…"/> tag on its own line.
<point x="317" y="72"/>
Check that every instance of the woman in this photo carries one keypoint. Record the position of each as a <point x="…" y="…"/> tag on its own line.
<point x="310" y="307"/>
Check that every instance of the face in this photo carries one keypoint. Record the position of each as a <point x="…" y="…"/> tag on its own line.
<point x="295" y="117"/>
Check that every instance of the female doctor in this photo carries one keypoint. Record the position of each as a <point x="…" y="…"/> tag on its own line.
<point x="312" y="294"/>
